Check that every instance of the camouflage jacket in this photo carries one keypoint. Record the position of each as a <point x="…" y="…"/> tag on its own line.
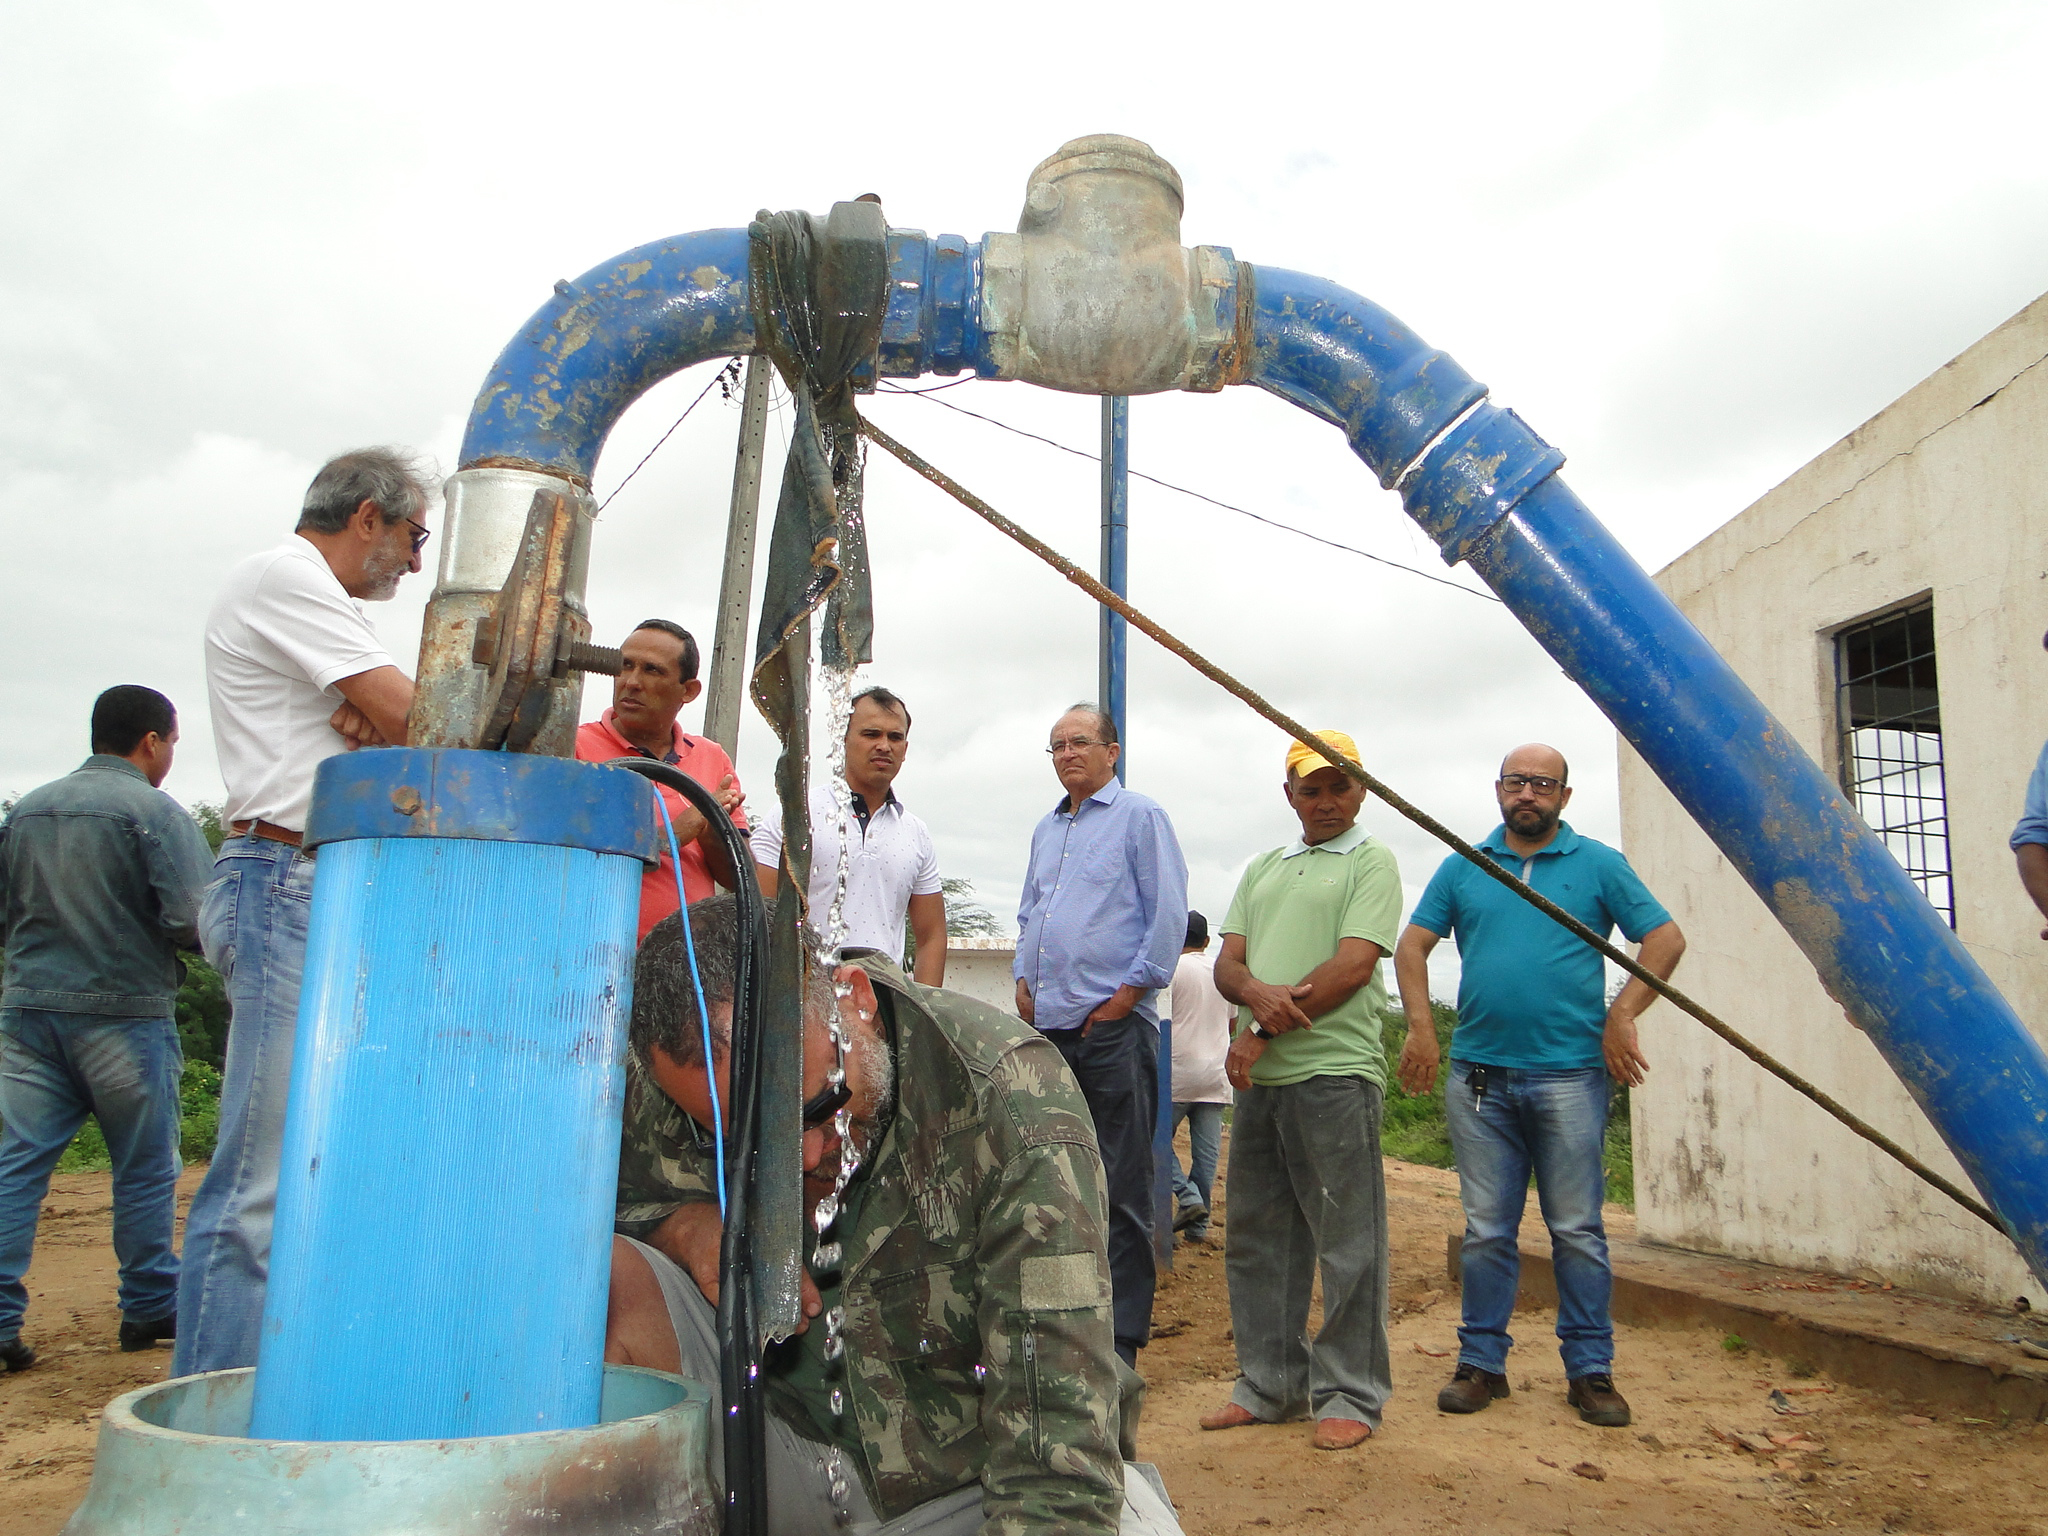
<point x="976" y="1281"/>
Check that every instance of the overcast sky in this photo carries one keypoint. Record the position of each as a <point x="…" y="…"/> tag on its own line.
<point x="1692" y="244"/>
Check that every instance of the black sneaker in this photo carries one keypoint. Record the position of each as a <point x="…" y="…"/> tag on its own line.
<point x="135" y="1336"/>
<point x="16" y="1356"/>
<point x="1470" y="1389"/>
<point x="1194" y="1214"/>
<point x="1597" y="1401"/>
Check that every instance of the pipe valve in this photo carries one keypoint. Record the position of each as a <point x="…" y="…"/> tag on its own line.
<point x="1095" y="294"/>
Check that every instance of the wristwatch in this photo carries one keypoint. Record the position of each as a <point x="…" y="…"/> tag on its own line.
<point x="1264" y="1033"/>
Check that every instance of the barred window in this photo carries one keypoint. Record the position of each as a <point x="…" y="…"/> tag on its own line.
<point x="1890" y="709"/>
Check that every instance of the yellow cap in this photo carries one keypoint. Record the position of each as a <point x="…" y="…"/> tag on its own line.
<point x="1302" y="758"/>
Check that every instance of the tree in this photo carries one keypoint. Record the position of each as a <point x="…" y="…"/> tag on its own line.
<point x="966" y="918"/>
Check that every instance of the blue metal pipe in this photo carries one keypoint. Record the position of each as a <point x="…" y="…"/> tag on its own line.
<point x="603" y="341"/>
<point x="1487" y="491"/>
<point x="1485" y="487"/>
<point x="1113" y="640"/>
<point x="450" y="1162"/>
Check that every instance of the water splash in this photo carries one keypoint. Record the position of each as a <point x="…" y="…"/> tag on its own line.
<point x="829" y="1253"/>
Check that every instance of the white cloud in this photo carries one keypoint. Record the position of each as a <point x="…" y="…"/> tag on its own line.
<point x="1693" y="244"/>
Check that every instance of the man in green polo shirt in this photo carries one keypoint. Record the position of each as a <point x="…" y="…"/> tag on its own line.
<point x="1301" y="952"/>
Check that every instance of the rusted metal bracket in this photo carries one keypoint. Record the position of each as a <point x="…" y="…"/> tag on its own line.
<point x="533" y="639"/>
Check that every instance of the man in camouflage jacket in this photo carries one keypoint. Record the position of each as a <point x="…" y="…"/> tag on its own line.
<point x="979" y="1372"/>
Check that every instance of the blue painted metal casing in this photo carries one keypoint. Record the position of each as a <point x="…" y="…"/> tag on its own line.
<point x="442" y="1243"/>
<point x="1489" y="494"/>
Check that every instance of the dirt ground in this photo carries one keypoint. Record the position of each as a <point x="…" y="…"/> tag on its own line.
<point x="1846" y="1459"/>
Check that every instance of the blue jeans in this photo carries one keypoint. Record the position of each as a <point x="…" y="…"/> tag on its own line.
<point x="1551" y="1124"/>
<point x="55" y="1069"/>
<point x="252" y="922"/>
<point x="1205" y="1145"/>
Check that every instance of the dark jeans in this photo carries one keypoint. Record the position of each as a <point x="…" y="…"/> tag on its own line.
<point x="1117" y="1066"/>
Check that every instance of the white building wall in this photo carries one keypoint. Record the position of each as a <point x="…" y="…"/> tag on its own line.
<point x="981" y="969"/>
<point x="1944" y="492"/>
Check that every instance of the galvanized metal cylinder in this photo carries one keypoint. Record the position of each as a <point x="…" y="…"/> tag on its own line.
<point x="484" y="518"/>
<point x="174" y="1459"/>
<point x="442" y="1245"/>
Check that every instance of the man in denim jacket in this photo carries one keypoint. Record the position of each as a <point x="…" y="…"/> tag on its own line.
<point x="100" y="875"/>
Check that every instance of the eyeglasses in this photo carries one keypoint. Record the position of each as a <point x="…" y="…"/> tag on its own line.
<point x="1072" y="743"/>
<point x="1515" y="783"/>
<point x="830" y="1099"/>
<point x="419" y="536"/>
<point x="817" y="1113"/>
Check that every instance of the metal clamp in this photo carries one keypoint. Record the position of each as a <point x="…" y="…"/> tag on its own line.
<point x="533" y="638"/>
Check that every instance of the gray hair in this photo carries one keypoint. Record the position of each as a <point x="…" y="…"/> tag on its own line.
<point x="398" y="481"/>
<point x="1103" y="723"/>
<point x="665" y="997"/>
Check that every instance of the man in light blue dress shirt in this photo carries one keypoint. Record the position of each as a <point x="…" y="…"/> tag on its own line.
<point x="1100" y="925"/>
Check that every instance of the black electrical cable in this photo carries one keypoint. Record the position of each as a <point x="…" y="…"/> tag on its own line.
<point x="741" y="1382"/>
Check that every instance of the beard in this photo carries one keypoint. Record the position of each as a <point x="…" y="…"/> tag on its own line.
<point x="383" y="570"/>
<point x="878" y="1091"/>
<point x="1532" y="822"/>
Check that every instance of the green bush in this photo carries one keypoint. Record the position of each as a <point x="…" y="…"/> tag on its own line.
<point x="1413" y="1127"/>
<point x="202" y="1013"/>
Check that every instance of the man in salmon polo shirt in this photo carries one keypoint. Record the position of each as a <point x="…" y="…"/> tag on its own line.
<point x="658" y="678"/>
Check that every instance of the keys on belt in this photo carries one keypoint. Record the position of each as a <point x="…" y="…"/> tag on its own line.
<point x="269" y="831"/>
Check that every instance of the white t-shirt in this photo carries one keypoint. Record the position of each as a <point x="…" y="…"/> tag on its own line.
<point x="1201" y="1033"/>
<point x="892" y="861"/>
<point x="281" y="634"/>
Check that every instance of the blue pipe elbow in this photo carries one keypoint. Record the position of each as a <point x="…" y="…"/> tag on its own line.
<point x="603" y="341"/>
<point x="1485" y="487"/>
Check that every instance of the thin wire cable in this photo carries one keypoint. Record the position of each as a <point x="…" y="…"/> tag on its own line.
<point x="931" y="389"/>
<point x="1430" y="824"/>
<point x="675" y="858"/>
<point x="1168" y="485"/>
<point x="671" y="432"/>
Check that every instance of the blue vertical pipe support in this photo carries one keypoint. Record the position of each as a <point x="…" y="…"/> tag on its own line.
<point x="1486" y="488"/>
<point x="442" y="1246"/>
<point x="1116" y="554"/>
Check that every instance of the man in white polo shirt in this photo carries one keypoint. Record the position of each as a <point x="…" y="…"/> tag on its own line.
<point x="892" y="873"/>
<point x="295" y="674"/>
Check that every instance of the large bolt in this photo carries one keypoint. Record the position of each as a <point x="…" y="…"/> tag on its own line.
<point x="581" y="656"/>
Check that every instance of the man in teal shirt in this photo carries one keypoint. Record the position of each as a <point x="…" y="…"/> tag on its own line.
<point x="1529" y="1064"/>
<point x="1301" y="951"/>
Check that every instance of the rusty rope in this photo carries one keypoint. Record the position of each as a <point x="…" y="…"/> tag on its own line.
<point x="1430" y="824"/>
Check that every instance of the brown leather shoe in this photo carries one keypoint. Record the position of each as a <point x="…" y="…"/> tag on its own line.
<point x="1470" y="1389"/>
<point x="1229" y="1416"/>
<point x="1597" y="1401"/>
<point x="1341" y="1434"/>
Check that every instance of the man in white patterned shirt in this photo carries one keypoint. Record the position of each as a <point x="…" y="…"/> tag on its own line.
<point x="892" y="872"/>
